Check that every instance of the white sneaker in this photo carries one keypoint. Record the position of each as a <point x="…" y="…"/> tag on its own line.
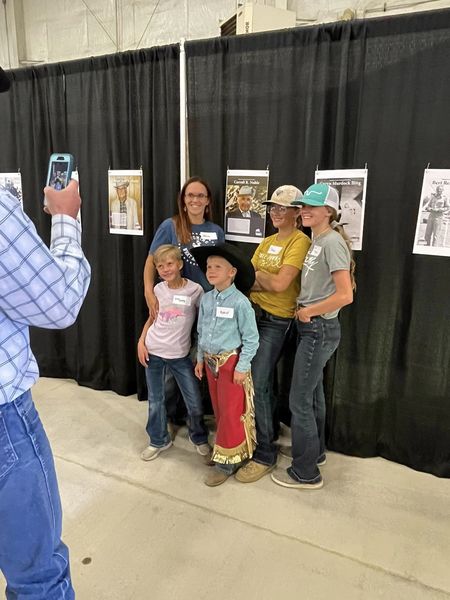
<point x="203" y="449"/>
<point x="151" y="452"/>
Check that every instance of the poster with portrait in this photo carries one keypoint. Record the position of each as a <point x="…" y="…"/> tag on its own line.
<point x="125" y="202"/>
<point x="245" y="215"/>
<point x="351" y="185"/>
<point x="433" y="221"/>
<point x="12" y="183"/>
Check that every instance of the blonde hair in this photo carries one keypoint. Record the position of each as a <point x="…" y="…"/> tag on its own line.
<point x="165" y="251"/>
<point x="340" y="229"/>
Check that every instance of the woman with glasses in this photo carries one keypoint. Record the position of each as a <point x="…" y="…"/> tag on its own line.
<point x="277" y="261"/>
<point x="192" y="226"/>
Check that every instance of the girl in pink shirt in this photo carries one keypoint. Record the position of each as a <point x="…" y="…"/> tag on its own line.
<point x="165" y="343"/>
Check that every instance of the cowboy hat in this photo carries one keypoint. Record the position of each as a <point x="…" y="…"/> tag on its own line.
<point x="245" y="276"/>
<point x="121" y="183"/>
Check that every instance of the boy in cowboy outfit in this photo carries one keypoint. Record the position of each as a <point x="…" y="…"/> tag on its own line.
<point x="227" y="341"/>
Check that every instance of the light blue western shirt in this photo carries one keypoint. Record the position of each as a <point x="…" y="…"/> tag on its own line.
<point x="226" y="321"/>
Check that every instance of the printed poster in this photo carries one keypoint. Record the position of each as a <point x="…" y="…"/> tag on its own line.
<point x="433" y="221"/>
<point x="351" y="185"/>
<point x="125" y="202"/>
<point x="12" y="183"/>
<point x="245" y="215"/>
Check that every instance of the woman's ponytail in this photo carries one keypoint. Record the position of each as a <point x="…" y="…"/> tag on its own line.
<point x="340" y="229"/>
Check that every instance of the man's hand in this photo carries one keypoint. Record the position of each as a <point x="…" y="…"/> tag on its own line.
<point x="239" y="377"/>
<point x="63" y="202"/>
<point x="199" y="370"/>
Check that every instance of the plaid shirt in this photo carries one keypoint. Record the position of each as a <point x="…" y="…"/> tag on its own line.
<point x="38" y="286"/>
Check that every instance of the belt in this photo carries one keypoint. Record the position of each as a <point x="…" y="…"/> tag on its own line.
<point x="215" y="361"/>
<point x="261" y="313"/>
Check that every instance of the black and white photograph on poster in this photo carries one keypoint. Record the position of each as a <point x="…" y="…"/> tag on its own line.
<point x="125" y="202"/>
<point x="12" y="183"/>
<point x="433" y="221"/>
<point x="245" y="215"/>
<point x="351" y="185"/>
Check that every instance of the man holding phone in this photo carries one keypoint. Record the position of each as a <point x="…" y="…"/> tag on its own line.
<point x="44" y="288"/>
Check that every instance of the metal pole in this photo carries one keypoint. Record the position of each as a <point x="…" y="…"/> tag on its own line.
<point x="183" y="119"/>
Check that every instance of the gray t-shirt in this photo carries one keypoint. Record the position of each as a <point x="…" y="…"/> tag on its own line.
<point x="328" y="253"/>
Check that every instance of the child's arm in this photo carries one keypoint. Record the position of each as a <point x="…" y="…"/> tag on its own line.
<point x="142" y="351"/>
<point x="239" y="377"/>
<point x="249" y="338"/>
<point x="198" y="370"/>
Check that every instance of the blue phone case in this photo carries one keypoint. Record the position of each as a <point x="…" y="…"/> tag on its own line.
<point x="60" y="169"/>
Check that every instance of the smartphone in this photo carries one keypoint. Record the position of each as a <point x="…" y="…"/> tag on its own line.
<point x="60" y="169"/>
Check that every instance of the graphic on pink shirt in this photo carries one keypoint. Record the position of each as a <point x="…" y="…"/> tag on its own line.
<point x="171" y="313"/>
<point x="170" y="334"/>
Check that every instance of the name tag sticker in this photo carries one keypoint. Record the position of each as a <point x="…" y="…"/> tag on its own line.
<point x="224" y="313"/>
<point x="274" y="249"/>
<point x="208" y="235"/>
<point x="315" y="251"/>
<point x="182" y="300"/>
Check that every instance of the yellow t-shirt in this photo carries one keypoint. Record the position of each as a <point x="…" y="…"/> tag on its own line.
<point x="270" y="256"/>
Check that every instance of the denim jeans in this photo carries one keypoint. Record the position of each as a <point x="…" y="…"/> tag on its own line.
<point x="272" y="334"/>
<point x="228" y="469"/>
<point x="175" y="407"/>
<point x="317" y="341"/>
<point x="183" y="371"/>
<point x="33" y="559"/>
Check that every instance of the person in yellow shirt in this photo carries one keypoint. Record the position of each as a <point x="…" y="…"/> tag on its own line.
<point x="278" y="262"/>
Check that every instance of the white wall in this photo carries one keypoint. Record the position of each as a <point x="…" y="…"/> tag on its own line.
<point x="38" y="31"/>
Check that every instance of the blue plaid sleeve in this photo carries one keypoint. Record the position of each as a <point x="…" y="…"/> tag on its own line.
<point x="40" y="286"/>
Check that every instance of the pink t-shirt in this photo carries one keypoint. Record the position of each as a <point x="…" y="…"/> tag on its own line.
<point x="170" y="335"/>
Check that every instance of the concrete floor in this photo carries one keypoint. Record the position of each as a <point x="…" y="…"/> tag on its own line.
<point x="154" y="531"/>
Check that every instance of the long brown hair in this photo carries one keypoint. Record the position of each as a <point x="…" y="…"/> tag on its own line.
<point x="339" y="228"/>
<point x="183" y="226"/>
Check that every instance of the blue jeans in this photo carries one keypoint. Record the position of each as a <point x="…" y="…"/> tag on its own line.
<point x="272" y="334"/>
<point x="33" y="558"/>
<point x="317" y="341"/>
<point x="183" y="372"/>
<point x="228" y="469"/>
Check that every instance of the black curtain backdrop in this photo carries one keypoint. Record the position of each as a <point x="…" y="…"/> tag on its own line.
<point x="118" y="112"/>
<point x="340" y="96"/>
<point x="337" y="96"/>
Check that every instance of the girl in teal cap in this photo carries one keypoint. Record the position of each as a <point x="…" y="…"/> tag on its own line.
<point x="327" y="285"/>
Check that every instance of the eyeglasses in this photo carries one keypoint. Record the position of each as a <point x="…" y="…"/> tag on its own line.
<point x="281" y="210"/>
<point x="200" y="196"/>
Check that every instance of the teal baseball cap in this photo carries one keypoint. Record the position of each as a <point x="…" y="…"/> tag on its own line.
<point x="320" y="194"/>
